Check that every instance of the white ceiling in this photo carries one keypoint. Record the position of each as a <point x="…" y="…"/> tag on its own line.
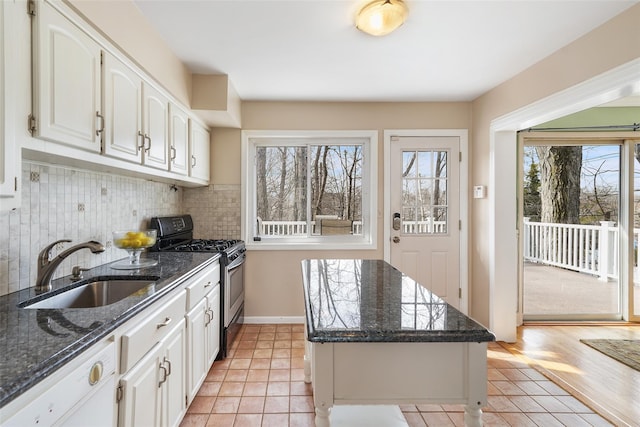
<point x="309" y="50"/>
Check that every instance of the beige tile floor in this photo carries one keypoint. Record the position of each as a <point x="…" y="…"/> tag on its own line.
<point x="261" y="384"/>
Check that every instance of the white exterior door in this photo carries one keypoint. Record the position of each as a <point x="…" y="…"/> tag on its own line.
<point x="425" y="212"/>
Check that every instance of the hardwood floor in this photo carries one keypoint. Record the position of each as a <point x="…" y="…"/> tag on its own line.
<point x="609" y="387"/>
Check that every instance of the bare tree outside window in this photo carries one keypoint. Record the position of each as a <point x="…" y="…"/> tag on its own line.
<point x="571" y="184"/>
<point x="560" y="168"/>
<point x="299" y="186"/>
<point x="424" y="199"/>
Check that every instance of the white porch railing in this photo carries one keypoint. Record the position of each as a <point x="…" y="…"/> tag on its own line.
<point x="299" y="228"/>
<point x="591" y="249"/>
<point x="296" y="228"/>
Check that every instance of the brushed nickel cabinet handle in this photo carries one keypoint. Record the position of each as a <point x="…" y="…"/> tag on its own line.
<point x="166" y="322"/>
<point x="101" y="129"/>
<point x="164" y="376"/>
<point x="147" y="138"/>
<point x="141" y="146"/>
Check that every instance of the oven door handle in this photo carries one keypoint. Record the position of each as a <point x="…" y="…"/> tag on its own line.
<point x="236" y="263"/>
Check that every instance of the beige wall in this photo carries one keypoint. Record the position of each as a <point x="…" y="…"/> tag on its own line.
<point x="124" y="25"/>
<point x="273" y="281"/>
<point x="613" y="44"/>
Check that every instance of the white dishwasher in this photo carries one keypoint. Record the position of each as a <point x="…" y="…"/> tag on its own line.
<point x="85" y="397"/>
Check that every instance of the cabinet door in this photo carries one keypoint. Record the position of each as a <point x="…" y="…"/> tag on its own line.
<point x="156" y="117"/>
<point x="174" y="388"/>
<point x="122" y="137"/>
<point x="9" y="153"/>
<point x="213" y="328"/>
<point x="141" y="393"/>
<point x="200" y="152"/>
<point x="178" y="140"/>
<point x="67" y="81"/>
<point x="196" y="342"/>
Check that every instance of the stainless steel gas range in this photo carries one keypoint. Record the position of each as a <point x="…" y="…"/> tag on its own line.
<point x="175" y="233"/>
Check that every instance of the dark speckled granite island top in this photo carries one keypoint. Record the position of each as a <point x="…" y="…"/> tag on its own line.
<point x="36" y="342"/>
<point x="355" y="300"/>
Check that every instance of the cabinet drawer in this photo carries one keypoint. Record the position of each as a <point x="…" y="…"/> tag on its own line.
<point x="202" y="285"/>
<point x="138" y="340"/>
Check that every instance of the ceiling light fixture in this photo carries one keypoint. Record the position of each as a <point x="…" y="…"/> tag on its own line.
<point x="380" y="17"/>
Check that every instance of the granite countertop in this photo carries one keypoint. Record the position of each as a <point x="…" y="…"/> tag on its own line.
<point x="36" y="342"/>
<point x="355" y="300"/>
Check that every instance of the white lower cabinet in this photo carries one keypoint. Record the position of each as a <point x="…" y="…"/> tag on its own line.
<point x="152" y="392"/>
<point x="164" y="355"/>
<point x="203" y="339"/>
<point x="203" y="327"/>
<point x="214" y="326"/>
<point x="79" y="394"/>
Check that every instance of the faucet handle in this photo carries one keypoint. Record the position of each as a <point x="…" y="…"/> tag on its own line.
<point x="76" y="272"/>
<point x="45" y="254"/>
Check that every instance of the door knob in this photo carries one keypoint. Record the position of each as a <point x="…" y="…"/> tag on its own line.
<point x="396" y="239"/>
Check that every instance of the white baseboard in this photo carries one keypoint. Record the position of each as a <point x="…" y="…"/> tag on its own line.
<point x="273" y="319"/>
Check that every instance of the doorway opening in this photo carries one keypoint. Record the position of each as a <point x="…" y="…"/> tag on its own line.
<point x="576" y="228"/>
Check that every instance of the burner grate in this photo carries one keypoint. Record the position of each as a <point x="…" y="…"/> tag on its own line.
<point x="205" y="245"/>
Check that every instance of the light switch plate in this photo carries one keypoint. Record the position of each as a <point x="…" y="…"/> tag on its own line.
<point x="479" y="191"/>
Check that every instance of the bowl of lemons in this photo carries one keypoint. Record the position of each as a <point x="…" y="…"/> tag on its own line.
<point x="134" y="242"/>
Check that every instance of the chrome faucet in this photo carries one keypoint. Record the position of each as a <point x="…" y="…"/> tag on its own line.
<point x="48" y="266"/>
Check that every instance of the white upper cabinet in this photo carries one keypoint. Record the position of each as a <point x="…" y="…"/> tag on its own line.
<point x="97" y="107"/>
<point x="122" y="136"/>
<point x="200" y="152"/>
<point x="178" y="140"/>
<point x="8" y="163"/>
<point x="136" y="117"/>
<point x="66" y="82"/>
<point x="155" y="125"/>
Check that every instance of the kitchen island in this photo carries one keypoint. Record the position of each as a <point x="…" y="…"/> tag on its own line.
<point x="377" y="337"/>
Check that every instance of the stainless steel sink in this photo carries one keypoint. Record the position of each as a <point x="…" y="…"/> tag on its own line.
<point x="96" y="293"/>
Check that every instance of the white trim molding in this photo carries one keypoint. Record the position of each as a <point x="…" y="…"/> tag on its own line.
<point x="261" y="320"/>
<point x="617" y="83"/>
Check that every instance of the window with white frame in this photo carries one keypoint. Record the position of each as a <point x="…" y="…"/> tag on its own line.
<point x="309" y="188"/>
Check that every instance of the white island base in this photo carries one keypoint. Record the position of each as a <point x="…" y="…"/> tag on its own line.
<point x="393" y="373"/>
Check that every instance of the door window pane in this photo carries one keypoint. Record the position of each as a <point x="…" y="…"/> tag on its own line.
<point x="424" y="192"/>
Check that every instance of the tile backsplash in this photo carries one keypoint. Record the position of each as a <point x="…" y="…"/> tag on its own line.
<point x="215" y="210"/>
<point x="65" y="203"/>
